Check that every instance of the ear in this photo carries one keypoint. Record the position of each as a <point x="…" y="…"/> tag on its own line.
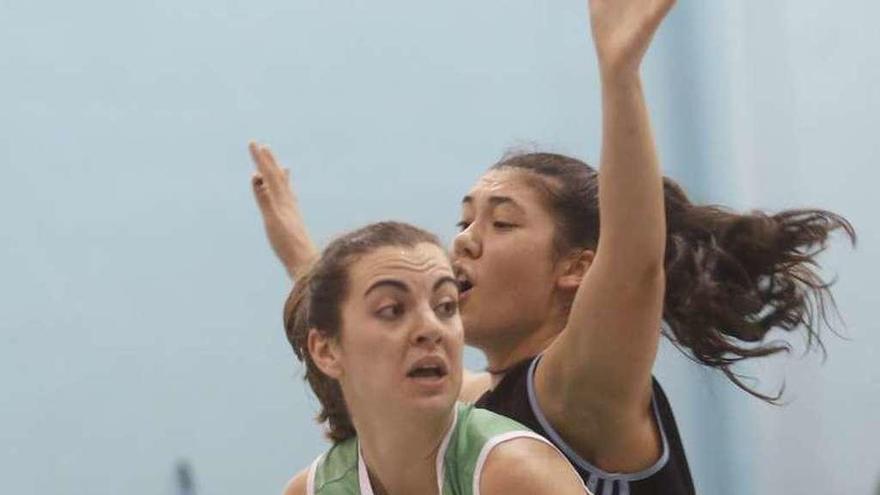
<point x="573" y="268"/>
<point x="325" y="353"/>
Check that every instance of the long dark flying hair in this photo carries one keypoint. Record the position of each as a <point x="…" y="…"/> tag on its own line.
<point x="730" y="277"/>
<point x="316" y="303"/>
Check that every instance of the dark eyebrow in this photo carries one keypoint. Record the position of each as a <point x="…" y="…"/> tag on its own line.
<point x="494" y="201"/>
<point x="502" y="200"/>
<point x="397" y="284"/>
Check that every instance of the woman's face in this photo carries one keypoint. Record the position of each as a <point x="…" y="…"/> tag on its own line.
<point x="401" y="342"/>
<point x="505" y="254"/>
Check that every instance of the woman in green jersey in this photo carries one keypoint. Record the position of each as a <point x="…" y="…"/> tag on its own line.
<point x="375" y="321"/>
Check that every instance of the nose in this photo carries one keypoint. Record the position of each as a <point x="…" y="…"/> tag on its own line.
<point x="467" y="244"/>
<point x="428" y="330"/>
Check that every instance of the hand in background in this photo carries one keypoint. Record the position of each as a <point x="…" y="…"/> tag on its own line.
<point x="279" y="208"/>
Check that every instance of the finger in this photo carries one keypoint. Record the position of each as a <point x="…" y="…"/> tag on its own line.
<point x="258" y="155"/>
<point x="277" y="178"/>
<point x="271" y="164"/>
<point x="254" y="149"/>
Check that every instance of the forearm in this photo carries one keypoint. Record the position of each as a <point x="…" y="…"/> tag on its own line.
<point x="296" y="253"/>
<point x="632" y="219"/>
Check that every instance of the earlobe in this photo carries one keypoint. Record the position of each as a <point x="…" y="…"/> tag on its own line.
<point x="575" y="267"/>
<point x="325" y="353"/>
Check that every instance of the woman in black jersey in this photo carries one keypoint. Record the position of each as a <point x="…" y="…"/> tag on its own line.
<point x="566" y="275"/>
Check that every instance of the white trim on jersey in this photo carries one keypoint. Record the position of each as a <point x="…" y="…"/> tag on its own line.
<point x="363" y="475"/>
<point x="506" y="437"/>
<point x="595" y="473"/>
<point x="441" y="454"/>
<point x="310" y="479"/>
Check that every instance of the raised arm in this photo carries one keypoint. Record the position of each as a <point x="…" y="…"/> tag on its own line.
<point x="594" y="382"/>
<point x="282" y="219"/>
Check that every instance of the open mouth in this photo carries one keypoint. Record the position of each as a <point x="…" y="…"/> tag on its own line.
<point x="430" y="368"/>
<point x="464" y="282"/>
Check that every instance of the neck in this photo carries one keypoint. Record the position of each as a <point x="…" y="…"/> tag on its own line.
<point x="510" y="352"/>
<point x="401" y="452"/>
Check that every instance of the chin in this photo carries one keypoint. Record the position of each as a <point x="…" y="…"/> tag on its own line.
<point x="477" y="333"/>
<point x="438" y="398"/>
<point x="437" y="406"/>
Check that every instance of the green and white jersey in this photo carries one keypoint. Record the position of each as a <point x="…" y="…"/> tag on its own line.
<point x="474" y="433"/>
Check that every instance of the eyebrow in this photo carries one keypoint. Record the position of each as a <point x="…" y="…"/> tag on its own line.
<point x="397" y="284"/>
<point x="494" y="201"/>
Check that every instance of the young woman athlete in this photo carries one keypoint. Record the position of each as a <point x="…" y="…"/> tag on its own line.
<point x="376" y="323"/>
<point x="566" y="275"/>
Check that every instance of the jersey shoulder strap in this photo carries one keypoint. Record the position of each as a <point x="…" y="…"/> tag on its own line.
<point x="477" y="432"/>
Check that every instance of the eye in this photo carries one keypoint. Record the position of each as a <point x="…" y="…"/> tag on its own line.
<point x="447" y="309"/>
<point x="390" y="312"/>
<point x="503" y="225"/>
<point x="462" y="225"/>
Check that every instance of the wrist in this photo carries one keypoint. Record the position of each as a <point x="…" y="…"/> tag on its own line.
<point x="620" y="79"/>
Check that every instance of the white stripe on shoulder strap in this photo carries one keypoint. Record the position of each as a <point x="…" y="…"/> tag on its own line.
<point x="441" y="454"/>
<point x="310" y="480"/>
<point x="506" y="437"/>
<point x="363" y="475"/>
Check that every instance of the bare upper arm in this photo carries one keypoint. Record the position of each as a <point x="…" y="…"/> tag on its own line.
<point x="297" y="485"/>
<point x="474" y="385"/>
<point x="527" y="466"/>
<point x="594" y="382"/>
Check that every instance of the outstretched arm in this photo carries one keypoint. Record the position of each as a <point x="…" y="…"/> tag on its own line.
<point x="282" y="219"/>
<point x="594" y="382"/>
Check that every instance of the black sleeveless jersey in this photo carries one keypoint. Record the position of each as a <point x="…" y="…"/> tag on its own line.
<point x="515" y="398"/>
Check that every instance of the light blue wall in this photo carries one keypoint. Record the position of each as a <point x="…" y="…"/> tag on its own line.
<point x="140" y="321"/>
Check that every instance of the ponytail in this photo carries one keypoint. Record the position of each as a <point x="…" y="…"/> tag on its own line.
<point x="732" y="278"/>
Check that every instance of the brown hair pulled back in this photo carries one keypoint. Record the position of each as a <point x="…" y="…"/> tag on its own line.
<point x="316" y="303"/>
<point x="730" y="277"/>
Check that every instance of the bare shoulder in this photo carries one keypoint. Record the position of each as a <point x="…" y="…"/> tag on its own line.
<point x="528" y="466"/>
<point x="298" y="484"/>
<point x="474" y="384"/>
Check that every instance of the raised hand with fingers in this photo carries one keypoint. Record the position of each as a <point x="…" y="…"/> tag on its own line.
<point x="623" y="30"/>
<point x="279" y="208"/>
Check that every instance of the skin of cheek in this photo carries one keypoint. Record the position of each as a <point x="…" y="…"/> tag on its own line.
<point x="371" y="358"/>
<point x="515" y="288"/>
